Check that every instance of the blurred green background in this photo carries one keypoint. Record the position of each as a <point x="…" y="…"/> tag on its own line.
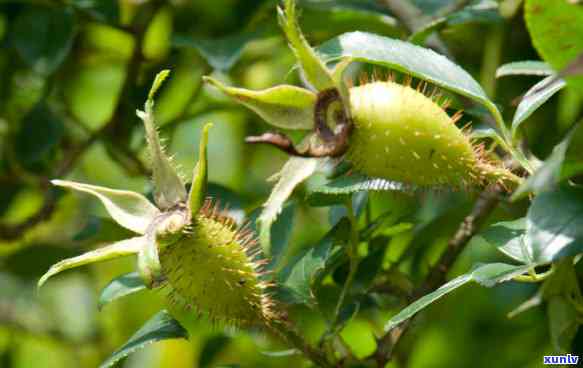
<point x="72" y="73"/>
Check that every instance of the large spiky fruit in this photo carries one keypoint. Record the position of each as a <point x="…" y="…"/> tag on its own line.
<point x="402" y="135"/>
<point x="212" y="270"/>
<point x="183" y="244"/>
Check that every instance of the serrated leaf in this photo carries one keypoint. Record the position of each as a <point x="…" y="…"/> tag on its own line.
<point x="168" y="186"/>
<point x="486" y="275"/>
<point x="556" y="29"/>
<point x="554" y="227"/>
<point x="527" y="67"/>
<point x="129" y="209"/>
<point x="160" y="327"/>
<point x="298" y="276"/>
<point x="314" y="70"/>
<point x="119" y="249"/>
<point x="43" y="36"/>
<point x="508" y="237"/>
<point x="119" y="287"/>
<point x="547" y="176"/>
<point x="199" y="184"/>
<point x="295" y="171"/>
<point x="405" y="57"/>
<point x="287" y="107"/>
<point x="339" y="190"/>
<point x="534" y="98"/>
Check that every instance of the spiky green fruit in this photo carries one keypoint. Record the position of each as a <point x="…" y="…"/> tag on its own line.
<point x="402" y="135"/>
<point x="184" y="243"/>
<point x="212" y="270"/>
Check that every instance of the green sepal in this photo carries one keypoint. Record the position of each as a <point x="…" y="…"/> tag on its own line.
<point x="119" y="249"/>
<point x="129" y="209"/>
<point x="168" y="186"/>
<point x="149" y="266"/>
<point x="285" y="106"/>
<point x="313" y="68"/>
<point x="198" y="188"/>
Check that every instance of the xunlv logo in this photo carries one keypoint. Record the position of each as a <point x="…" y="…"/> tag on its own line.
<point x="561" y="359"/>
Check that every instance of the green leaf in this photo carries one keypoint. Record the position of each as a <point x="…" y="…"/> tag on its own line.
<point x="160" y="327"/>
<point x="527" y="67"/>
<point x="101" y="10"/>
<point x="39" y="133"/>
<point x="213" y="346"/>
<point x="119" y="249"/>
<point x="408" y="58"/>
<point x="534" y="98"/>
<point x="119" y="287"/>
<point x="43" y="36"/>
<point x="487" y="275"/>
<point x="341" y="16"/>
<point x="299" y="275"/>
<point x="284" y="106"/>
<point x="548" y="175"/>
<point x="556" y="29"/>
<point x="554" y="227"/>
<point x="484" y="11"/>
<point x="563" y="323"/>
<point x="168" y="186"/>
<point x="313" y="68"/>
<point x="129" y="209"/>
<point x="281" y="231"/>
<point x="199" y="184"/>
<point x="220" y="53"/>
<point x="508" y="237"/>
<point x="294" y="172"/>
<point x="339" y="190"/>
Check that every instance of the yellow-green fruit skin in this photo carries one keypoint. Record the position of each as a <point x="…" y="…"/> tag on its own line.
<point x="209" y="271"/>
<point x="402" y="135"/>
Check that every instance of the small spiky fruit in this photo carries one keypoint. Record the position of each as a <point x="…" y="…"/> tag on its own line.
<point x="212" y="270"/>
<point x="402" y="135"/>
<point x="184" y="243"/>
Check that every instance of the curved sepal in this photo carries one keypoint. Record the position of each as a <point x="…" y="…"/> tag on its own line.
<point x="168" y="187"/>
<point x="285" y="106"/>
<point x="313" y="68"/>
<point x="119" y="249"/>
<point x="198" y="187"/>
<point x="129" y="209"/>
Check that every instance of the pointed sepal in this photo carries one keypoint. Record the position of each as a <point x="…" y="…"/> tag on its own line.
<point x="168" y="186"/>
<point x="285" y="106"/>
<point x="313" y="68"/>
<point x="129" y="209"/>
<point x="198" y="187"/>
<point x="119" y="249"/>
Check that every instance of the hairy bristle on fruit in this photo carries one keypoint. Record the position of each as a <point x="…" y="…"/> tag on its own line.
<point x="214" y="257"/>
<point x="404" y="134"/>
